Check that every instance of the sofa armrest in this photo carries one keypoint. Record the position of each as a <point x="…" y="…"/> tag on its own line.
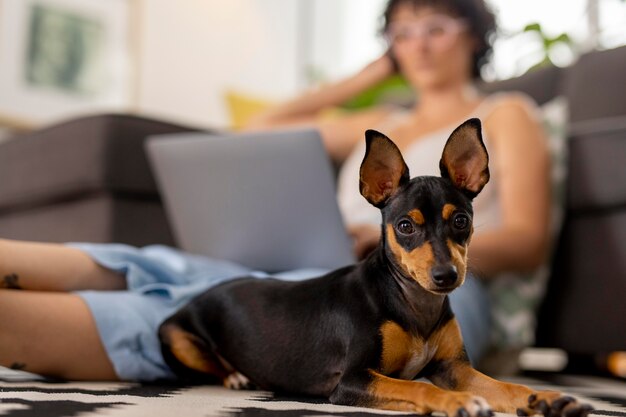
<point x="584" y="310"/>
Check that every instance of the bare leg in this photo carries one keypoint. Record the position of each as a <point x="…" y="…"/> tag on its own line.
<point x="51" y="334"/>
<point x="52" y="267"/>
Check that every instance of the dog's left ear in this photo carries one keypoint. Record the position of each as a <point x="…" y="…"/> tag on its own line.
<point x="465" y="160"/>
<point x="383" y="170"/>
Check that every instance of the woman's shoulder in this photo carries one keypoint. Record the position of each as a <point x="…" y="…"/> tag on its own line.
<point x="509" y="103"/>
<point x="511" y="110"/>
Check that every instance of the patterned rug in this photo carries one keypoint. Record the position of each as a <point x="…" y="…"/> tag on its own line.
<point x="21" y="395"/>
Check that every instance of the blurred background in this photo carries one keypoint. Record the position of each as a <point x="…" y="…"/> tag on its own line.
<point x="208" y="63"/>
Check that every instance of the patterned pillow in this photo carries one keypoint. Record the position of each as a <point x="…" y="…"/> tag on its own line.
<point x="515" y="298"/>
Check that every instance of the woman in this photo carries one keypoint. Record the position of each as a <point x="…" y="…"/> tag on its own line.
<point x="439" y="47"/>
<point x="91" y="311"/>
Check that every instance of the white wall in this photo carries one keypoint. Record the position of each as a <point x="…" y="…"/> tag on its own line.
<point x="193" y="51"/>
<point x="344" y="35"/>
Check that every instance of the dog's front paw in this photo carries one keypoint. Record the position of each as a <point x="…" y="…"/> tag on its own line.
<point x="467" y="405"/>
<point x="553" y="404"/>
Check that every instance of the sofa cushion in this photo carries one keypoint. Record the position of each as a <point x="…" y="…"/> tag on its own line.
<point x="594" y="86"/>
<point x="541" y="84"/>
<point x="95" y="217"/>
<point x="583" y="311"/>
<point x="597" y="153"/>
<point x="103" y="152"/>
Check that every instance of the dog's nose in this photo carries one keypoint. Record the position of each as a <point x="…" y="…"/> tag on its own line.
<point x="444" y="276"/>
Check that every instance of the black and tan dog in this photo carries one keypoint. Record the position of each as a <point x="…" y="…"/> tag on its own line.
<point x="361" y="334"/>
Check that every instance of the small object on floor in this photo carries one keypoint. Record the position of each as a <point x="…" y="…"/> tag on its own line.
<point x="557" y="360"/>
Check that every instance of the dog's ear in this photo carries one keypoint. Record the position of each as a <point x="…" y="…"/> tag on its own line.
<point x="383" y="170"/>
<point x="465" y="161"/>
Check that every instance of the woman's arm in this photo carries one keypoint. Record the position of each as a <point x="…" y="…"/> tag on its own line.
<point x="523" y="164"/>
<point x="339" y="133"/>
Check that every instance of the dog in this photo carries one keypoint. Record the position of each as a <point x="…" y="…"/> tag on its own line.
<point x="360" y="335"/>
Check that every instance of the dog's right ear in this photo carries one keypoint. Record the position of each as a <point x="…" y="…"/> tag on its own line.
<point x="383" y="170"/>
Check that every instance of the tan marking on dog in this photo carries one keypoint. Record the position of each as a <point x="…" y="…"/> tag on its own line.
<point x="447" y="211"/>
<point x="448" y="341"/>
<point x="417" y="216"/>
<point x="449" y="345"/>
<point x="458" y="254"/>
<point x="503" y="397"/>
<point x="184" y="346"/>
<point x="420" y="397"/>
<point x="417" y="263"/>
<point x="460" y="376"/>
<point x="403" y="353"/>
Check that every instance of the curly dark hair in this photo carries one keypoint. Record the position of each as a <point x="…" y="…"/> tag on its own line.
<point x="481" y="20"/>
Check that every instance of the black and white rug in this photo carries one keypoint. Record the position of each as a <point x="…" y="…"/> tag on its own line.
<point x="23" y="396"/>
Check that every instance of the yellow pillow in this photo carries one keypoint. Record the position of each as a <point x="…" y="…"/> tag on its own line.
<point x="242" y="107"/>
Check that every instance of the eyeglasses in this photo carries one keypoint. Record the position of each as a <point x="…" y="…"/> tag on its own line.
<point x="438" y="30"/>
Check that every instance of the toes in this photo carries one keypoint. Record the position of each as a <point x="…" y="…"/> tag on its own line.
<point x="538" y="404"/>
<point x="485" y="413"/>
<point x="551" y="405"/>
<point x="477" y="407"/>
<point x="577" y="410"/>
<point x="237" y="381"/>
<point x="586" y="409"/>
<point x="462" y="412"/>
<point x="484" y="408"/>
<point x="560" y="403"/>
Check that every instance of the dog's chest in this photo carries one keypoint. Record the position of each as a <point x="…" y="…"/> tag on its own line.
<point x="416" y="361"/>
<point x="403" y="354"/>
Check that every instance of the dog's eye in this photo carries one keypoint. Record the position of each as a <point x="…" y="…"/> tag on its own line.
<point x="405" y="227"/>
<point x="461" y="221"/>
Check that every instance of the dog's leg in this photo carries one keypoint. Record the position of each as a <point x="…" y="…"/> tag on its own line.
<point x="379" y="391"/>
<point x="188" y="354"/>
<point x="450" y="369"/>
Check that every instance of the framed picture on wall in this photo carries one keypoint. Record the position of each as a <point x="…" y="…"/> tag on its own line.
<point x="65" y="58"/>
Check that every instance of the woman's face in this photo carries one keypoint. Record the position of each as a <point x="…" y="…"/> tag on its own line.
<point x="433" y="49"/>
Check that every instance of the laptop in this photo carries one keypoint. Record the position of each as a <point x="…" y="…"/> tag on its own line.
<point x="265" y="200"/>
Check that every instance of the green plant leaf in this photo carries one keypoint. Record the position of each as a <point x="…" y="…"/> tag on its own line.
<point x="533" y="27"/>
<point x="395" y="85"/>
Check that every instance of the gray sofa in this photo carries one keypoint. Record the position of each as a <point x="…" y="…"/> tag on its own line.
<point x="88" y="180"/>
<point x="584" y="309"/>
<point x="83" y="180"/>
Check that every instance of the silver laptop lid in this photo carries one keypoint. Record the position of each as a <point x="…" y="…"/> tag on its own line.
<point x="265" y="200"/>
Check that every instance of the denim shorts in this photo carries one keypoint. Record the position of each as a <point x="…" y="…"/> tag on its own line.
<point x="161" y="279"/>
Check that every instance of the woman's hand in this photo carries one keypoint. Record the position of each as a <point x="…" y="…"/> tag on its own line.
<point x="365" y="236"/>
